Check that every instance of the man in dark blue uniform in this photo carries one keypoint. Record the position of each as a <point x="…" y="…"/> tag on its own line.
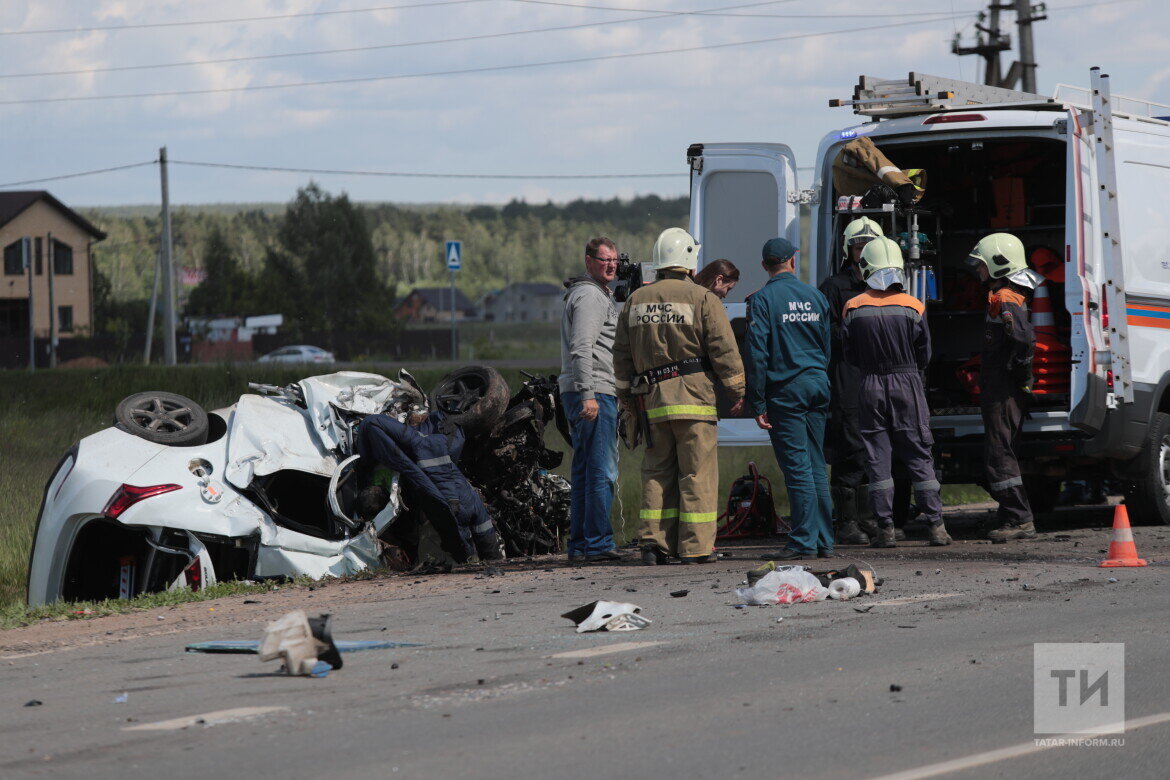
<point x="788" y="389"/>
<point x="886" y="337"/>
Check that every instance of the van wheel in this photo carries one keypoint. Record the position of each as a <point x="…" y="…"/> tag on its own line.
<point x="1042" y="493"/>
<point x="163" y="418"/>
<point x="1148" y="498"/>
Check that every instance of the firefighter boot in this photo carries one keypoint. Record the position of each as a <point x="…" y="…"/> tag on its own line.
<point x="938" y="536"/>
<point x="885" y="537"/>
<point x="847" y="530"/>
<point x="652" y="556"/>
<point x="1006" y="533"/>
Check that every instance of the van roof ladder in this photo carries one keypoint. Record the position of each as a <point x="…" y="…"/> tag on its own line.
<point x="922" y="93"/>
<point x="1111" y="238"/>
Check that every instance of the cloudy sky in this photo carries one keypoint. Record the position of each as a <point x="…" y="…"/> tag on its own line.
<point x="464" y="87"/>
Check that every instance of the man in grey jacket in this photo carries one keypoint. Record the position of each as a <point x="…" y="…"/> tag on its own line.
<point x="588" y="326"/>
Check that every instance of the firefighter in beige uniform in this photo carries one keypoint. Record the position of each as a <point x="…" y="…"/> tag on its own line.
<point x="673" y="339"/>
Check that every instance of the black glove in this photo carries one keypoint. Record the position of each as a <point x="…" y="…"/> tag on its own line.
<point x="907" y="194"/>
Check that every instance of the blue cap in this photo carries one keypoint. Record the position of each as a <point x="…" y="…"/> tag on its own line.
<point x="780" y="249"/>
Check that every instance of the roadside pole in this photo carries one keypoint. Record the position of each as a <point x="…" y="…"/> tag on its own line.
<point x="150" y="316"/>
<point x="52" y="261"/>
<point x="168" y="268"/>
<point x="26" y="260"/>
<point x="1024" y="19"/>
<point x="454" y="264"/>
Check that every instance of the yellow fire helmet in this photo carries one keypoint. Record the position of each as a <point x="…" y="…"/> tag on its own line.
<point x="881" y="264"/>
<point x="1005" y="258"/>
<point x="860" y="231"/>
<point x="675" y="248"/>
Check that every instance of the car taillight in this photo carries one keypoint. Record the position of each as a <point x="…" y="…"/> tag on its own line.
<point x="127" y="496"/>
<point x="946" y="119"/>
<point x="194" y="574"/>
<point x="1109" y="379"/>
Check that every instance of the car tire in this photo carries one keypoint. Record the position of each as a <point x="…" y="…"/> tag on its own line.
<point x="1147" y="498"/>
<point x="1042" y="493"/>
<point x="163" y="418"/>
<point x="474" y="398"/>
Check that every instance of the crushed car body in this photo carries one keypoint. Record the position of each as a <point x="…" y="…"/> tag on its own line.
<point x="175" y="497"/>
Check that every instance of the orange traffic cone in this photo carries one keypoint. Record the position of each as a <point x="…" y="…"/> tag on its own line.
<point x="1122" y="550"/>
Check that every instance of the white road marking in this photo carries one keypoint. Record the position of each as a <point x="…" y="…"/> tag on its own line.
<point x="1018" y="751"/>
<point x="620" y="647"/>
<point x="206" y="719"/>
<point x="909" y="599"/>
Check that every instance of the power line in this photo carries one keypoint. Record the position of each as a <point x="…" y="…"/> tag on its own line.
<point x="720" y="12"/>
<point x="237" y="20"/>
<point x="465" y="71"/>
<point x="76" y="175"/>
<point x="464" y="39"/>
<point x="411" y="175"/>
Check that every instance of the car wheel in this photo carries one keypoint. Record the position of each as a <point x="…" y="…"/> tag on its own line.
<point x="474" y="398"/>
<point x="163" y="418"/>
<point x="1147" y="499"/>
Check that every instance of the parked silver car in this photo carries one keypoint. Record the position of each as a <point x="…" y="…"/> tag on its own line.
<point x="300" y="353"/>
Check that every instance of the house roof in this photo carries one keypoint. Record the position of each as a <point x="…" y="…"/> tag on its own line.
<point x="440" y="298"/>
<point x="536" y="288"/>
<point x="13" y="204"/>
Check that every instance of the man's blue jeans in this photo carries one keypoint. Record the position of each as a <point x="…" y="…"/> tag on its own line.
<point x="798" y="414"/>
<point x="594" y="474"/>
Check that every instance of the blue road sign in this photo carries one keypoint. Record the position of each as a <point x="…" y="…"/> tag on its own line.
<point x="454" y="255"/>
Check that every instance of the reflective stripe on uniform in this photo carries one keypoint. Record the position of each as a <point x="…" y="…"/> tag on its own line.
<point x="885" y="484"/>
<point x="663" y="411"/>
<point x="734" y="380"/>
<point x="430" y="463"/>
<point x="882" y="171"/>
<point x="698" y="517"/>
<point x="882" y="311"/>
<point x="930" y="484"/>
<point x="657" y="514"/>
<point x="483" y="528"/>
<point x="1007" y="483"/>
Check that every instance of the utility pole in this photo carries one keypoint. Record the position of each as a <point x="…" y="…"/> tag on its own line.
<point x="26" y="260"/>
<point x="52" y="258"/>
<point x="168" y="266"/>
<point x="150" y="316"/>
<point x="991" y="41"/>
<point x="1025" y="18"/>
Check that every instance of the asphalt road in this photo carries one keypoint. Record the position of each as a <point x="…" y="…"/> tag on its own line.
<point x="505" y="688"/>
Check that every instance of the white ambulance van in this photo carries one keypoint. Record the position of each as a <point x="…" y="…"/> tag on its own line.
<point x="1082" y="178"/>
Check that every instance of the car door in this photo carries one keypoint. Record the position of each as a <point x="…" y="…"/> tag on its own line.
<point x="742" y="194"/>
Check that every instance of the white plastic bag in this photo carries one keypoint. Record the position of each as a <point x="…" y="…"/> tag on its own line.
<point x="785" y="585"/>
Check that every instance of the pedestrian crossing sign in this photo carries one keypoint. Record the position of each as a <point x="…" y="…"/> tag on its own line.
<point x="454" y="255"/>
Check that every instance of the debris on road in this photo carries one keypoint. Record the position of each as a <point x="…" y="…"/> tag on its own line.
<point x="678" y="594"/>
<point x="607" y="616"/>
<point x="844" y="589"/>
<point x="33" y="703"/>
<point x="122" y="698"/>
<point x="303" y="646"/>
<point x="785" y="585"/>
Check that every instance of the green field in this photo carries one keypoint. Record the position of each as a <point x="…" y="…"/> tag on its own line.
<point x="43" y="414"/>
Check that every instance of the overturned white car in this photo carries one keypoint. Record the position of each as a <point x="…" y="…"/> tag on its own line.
<point x="173" y="496"/>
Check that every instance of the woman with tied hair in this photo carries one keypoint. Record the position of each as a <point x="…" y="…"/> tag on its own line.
<point x="718" y="276"/>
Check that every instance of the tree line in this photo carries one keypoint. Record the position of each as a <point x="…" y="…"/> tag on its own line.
<point x="330" y="264"/>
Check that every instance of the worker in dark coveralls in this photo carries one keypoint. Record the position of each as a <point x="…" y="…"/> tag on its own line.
<point x="843" y="445"/>
<point x="788" y="390"/>
<point x="1005" y="378"/>
<point x="886" y="337"/>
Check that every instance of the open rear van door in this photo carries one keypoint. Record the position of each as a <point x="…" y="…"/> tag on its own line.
<point x="1083" y="288"/>
<point x="741" y="196"/>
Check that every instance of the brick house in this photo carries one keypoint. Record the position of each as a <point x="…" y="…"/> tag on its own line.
<point x="61" y="253"/>
<point x="433" y="304"/>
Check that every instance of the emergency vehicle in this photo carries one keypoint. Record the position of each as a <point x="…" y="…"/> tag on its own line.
<point x="1082" y="178"/>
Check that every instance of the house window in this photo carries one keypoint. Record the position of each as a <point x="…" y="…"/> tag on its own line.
<point x="64" y="319"/>
<point x="62" y="258"/>
<point x="12" y="261"/>
<point x="39" y="254"/>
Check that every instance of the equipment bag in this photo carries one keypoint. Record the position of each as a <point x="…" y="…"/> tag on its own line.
<point x="750" y="509"/>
